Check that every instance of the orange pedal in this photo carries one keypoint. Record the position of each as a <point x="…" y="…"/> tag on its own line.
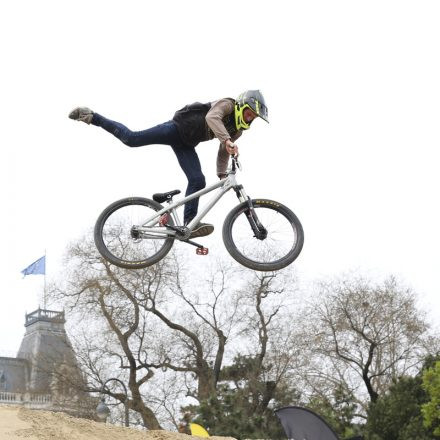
<point x="202" y="251"/>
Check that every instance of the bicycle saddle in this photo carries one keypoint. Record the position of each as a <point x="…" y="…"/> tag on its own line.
<point x="163" y="197"/>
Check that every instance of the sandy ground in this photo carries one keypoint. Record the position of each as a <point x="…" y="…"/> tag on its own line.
<point x="20" y="423"/>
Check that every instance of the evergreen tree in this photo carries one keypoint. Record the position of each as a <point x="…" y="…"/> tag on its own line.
<point x="244" y="404"/>
<point x="338" y="411"/>
<point x="431" y="409"/>
<point x="398" y="414"/>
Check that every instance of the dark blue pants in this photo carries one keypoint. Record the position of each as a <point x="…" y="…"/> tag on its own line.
<point x="165" y="134"/>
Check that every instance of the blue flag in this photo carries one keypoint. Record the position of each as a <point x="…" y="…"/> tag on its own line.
<point x="36" y="268"/>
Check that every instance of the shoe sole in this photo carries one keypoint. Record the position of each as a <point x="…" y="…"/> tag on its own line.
<point x="202" y="232"/>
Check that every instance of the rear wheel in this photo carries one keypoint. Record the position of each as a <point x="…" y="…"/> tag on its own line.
<point x="267" y="237"/>
<point x="121" y="243"/>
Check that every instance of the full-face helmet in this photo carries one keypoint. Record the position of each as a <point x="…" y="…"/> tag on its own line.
<point x="254" y="100"/>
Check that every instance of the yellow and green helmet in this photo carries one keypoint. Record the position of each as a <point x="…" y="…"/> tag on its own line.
<point x="254" y="100"/>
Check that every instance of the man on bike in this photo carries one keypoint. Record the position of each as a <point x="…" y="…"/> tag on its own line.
<point x="224" y="119"/>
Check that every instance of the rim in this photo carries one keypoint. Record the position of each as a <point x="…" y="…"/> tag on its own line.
<point x="281" y="241"/>
<point x="116" y="234"/>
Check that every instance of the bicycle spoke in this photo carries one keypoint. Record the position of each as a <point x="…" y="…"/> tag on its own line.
<point x="277" y="249"/>
<point x="116" y="240"/>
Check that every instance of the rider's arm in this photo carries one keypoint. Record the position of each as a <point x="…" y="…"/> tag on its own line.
<point x="223" y="157"/>
<point x="218" y="111"/>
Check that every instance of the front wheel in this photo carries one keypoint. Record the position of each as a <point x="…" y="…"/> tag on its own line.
<point x="267" y="236"/>
<point x="121" y="243"/>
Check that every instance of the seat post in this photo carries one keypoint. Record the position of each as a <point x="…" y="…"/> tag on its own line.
<point x="173" y="213"/>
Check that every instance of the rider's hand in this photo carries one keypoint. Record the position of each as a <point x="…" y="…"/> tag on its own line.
<point x="231" y="148"/>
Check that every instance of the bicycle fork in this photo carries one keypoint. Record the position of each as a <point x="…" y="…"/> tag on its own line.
<point x="260" y="232"/>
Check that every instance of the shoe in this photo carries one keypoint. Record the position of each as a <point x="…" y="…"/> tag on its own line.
<point x="201" y="230"/>
<point x="83" y="114"/>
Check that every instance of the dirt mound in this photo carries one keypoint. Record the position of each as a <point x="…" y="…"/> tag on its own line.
<point x="20" y="423"/>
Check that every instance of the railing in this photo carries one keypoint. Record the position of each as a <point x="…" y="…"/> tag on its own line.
<point x="26" y="399"/>
<point x="40" y="398"/>
<point x="45" y="315"/>
<point x="10" y="397"/>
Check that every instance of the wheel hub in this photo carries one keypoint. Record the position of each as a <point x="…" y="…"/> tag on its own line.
<point x="261" y="234"/>
<point x="134" y="233"/>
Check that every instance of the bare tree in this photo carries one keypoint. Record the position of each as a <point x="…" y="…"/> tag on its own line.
<point x="94" y="291"/>
<point x="155" y="322"/>
<point x="365" y="333"/>
<point x="270" y="342"/>
<point x="197" y="323"/>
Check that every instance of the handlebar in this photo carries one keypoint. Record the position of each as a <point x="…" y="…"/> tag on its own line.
<point x="235" y="163"/>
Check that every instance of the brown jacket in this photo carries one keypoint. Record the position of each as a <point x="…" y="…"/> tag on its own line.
<point x="215" y="119"/>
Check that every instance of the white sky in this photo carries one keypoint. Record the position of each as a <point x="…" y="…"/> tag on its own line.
<point x="353" y="92"/>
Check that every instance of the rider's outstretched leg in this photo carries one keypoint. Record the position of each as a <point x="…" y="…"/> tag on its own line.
<point x="165" y="134"/>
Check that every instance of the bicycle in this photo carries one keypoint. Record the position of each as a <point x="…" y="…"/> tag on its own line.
<point x="260" y="234"/>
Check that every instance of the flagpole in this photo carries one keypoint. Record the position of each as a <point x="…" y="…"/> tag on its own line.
<point x="44" y="292"/>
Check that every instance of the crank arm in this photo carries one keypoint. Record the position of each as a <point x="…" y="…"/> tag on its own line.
<point x="193" y="243"/>
<point x="201" y="250"/>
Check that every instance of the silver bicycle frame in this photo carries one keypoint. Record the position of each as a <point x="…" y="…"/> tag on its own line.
<point x="146" y="227"/>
